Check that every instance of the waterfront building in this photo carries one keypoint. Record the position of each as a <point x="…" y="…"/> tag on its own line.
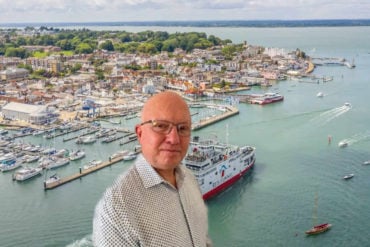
<point x="37" y="114"/>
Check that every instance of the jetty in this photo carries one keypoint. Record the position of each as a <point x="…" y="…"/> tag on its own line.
<point x="82" y="173"/>
<point x="230" y="111"/>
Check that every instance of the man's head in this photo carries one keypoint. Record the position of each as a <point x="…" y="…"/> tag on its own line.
<point x="164" y="132"/>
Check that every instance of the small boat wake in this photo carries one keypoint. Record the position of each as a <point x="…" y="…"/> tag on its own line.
<point x="354" y="139"/>
<point x="330" y="115"/>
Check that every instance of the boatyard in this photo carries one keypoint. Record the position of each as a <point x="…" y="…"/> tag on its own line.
<point x="80" y="130"/>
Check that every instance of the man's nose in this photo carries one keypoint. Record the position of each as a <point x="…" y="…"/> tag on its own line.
<point x="173" y="136"/>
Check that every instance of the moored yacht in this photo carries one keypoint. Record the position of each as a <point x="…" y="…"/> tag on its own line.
<point x="10" y="164"/>
<point x="92" y="163"/>
<point x="79" y="154"/>
<point x="129" y="156"/>
<point x="52" y="179"/>
<point x="26" y="173"/>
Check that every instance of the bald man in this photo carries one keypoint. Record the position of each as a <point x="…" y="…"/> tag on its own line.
<point x="157" y="202"/>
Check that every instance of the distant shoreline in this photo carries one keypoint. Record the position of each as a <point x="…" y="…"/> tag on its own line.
<point x="205" y="23"/>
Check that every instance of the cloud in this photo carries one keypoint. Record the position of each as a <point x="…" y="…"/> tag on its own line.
<point x="146" y="10"/>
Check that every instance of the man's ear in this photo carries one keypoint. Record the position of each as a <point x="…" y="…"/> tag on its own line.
<point x="138" y="130"/>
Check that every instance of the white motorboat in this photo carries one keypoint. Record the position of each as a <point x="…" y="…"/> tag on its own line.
<point x="38" y="132"/>
<point x="349" y="176"/>
<point x="26" y="173"/>
<point x="320" y="94"/>
<point x="119" y="154"/>
<point x="89" y="139"/>
<point x="79" y="154"/>
<point x="10" y="164"/>
<point x="348" y="105"/>
<point x="367" y="162"/>
<point x="6" y="157"/>
<point x="49" y="151"/>
<point x="30" y="158"/>
<point x="52" y="179"/>
<point x="62" y="153"/>
<point x="86" y="140"/>
<point x="343" y="144"/>
<point x="92" y="163"/>
<point x="45" y="161"/>
<point x="129" y="156"/>
<point x="57" y="162"/>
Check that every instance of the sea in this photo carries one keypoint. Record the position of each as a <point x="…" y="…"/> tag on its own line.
<point x="298" y="176"/>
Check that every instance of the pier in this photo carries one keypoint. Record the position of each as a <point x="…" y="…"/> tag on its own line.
<point x="231" y="111"/>
<point x="82" y="173"/>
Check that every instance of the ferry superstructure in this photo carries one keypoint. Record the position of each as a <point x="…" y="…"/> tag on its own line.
<point x="266" y="98"/>
<point x="217" y="165"/>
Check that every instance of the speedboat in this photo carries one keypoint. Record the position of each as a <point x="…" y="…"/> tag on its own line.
<point x="367" y="162"/>
<point x="343" y="144"/>
<point x="349" y="176"/>
<point x="348" y="105"/>
<point x="320" y="94"/>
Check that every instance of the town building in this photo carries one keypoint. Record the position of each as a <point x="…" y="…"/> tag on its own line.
<point x="34" y="114"/>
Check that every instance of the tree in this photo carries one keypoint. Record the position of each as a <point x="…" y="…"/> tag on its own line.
<point x="147" y="48"/>
<point x="84" y="48"/>
<point x="228" y="51"/>
<point x="169" y="45"/>
<point x="107" y="45"/>
<point x="15" y="52"/>
<point x="65" y="44"/>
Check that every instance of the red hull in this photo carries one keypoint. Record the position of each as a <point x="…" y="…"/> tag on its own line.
<point x="318" y="229"/>
<point x="226" y="184"/>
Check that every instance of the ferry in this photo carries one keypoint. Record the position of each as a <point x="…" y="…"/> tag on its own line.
<point x="217" y="165"/>
<point x="266" y="98"/>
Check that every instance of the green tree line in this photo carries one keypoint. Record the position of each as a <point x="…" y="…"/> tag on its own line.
<point x="85" y="41"/>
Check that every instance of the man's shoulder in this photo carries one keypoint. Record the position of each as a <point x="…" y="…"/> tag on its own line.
<point x="130" y="179"/>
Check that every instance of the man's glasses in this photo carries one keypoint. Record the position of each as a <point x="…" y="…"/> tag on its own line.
<point x="164" y="127"/>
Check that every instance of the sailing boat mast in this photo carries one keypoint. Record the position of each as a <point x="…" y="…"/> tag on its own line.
<point x="314" y="217"/>
<point x="317" y="229"/>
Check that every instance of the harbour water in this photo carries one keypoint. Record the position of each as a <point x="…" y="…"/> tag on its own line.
<point x="274" y="204"/>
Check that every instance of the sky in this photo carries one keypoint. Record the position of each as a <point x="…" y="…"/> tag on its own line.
<point x="48" y="11"/>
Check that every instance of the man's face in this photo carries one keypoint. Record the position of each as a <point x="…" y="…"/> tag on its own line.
<point x="164" y="151"/>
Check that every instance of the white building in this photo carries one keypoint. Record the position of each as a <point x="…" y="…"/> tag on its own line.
<point x="35" y="114"/>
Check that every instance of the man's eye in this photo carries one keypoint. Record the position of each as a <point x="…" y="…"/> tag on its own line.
<point x="183" y="128"/>
<point x="161" y="125"/>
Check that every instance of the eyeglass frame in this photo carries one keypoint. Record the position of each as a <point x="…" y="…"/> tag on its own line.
<point x="171" y="125"/>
